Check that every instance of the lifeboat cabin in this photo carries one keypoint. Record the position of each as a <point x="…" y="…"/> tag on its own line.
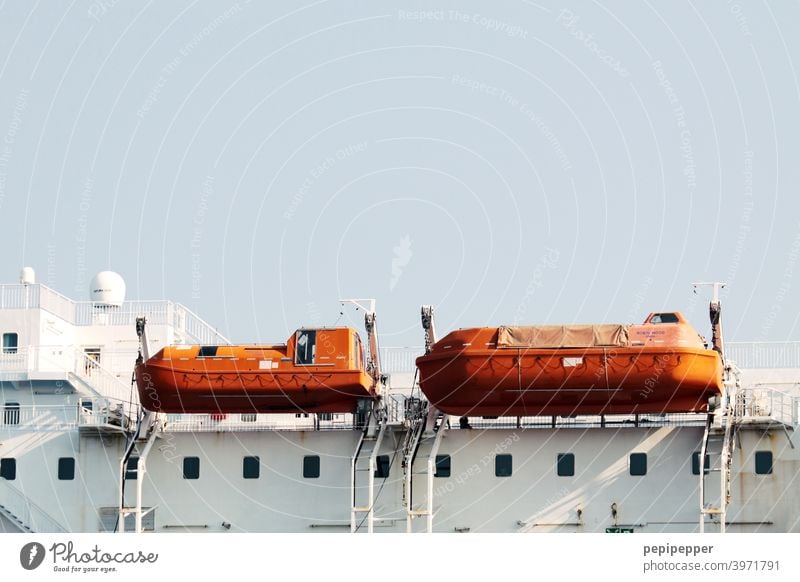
<point x="316" y="370"/>
<point x="660" y="366"/>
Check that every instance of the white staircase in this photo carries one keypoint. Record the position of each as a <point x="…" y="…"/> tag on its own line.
<point x="24" y="513"/>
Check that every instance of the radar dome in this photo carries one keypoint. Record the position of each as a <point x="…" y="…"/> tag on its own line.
<point x="27" y="276"/>
<point x="107" y="288"/>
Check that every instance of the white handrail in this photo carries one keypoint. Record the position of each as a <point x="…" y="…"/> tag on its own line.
<point x="159" y="312"/>
<point x="767" y="354"/>
<point x="23" y="508"/>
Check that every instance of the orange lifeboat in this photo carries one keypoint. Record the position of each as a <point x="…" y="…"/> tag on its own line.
<point x="657" y="367"/>
<point x="317" y="370"/>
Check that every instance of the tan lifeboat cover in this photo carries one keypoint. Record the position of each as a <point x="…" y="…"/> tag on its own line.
<point x="562" y="336"/>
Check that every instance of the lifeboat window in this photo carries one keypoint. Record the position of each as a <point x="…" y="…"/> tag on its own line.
<point x="132" y="468"/>
<point x="11" y="413"/>
<point x="696" y="464"/>
<point x="66" y="469"/>
<point x="311" y="467"/>
<point x="502" y="466"/>
<point x="664" y="318"/>
<point x="565" y="464"/>
<point x="207" y="351"/>
<point x="305" y="347"/>
<point x="763" y="462"/>
<point x="10" y="343"/>
<point x="442" y="466"/>
<point x="8" y="469"/>
<point x="191" y="467"/>
<point x="638" y="464"/>
<point x="251" y="468"/>
<point x="382" y="465"/>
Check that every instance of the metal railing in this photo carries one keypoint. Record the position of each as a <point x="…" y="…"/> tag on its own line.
<point x="103" y="381"/>
<point x="83" y="313"/>
<point x="35" y="418"/>
<point x="69" y="359"/>
<point x="256" y="422"/>
<point x="749" y="355"/>
<point x="31" y="515"/>
<point x="396" y="359"/>
<point x="612" y="421"/>
<point x="14" y="361"/>
<point x="766" y="403"/>
<point x="107" y="413"/>
<point x="87" y="412"/>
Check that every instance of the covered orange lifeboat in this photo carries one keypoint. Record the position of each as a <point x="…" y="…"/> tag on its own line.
<point x="657" y="367"/>
<point x="316" y="370"/>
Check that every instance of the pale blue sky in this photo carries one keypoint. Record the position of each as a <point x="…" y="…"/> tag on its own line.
<point x="516" y="162"/>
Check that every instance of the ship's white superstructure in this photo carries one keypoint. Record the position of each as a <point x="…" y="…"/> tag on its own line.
<point x="70" y="415"/>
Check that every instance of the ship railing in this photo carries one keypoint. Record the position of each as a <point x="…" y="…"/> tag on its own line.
<point x="754" y="355"/>
<point x="106" y="413"/>
<point x="106" y="383"/>
<point x="21" y="296"/>
<point x="40" y="418"/>
<point x="766" y="404"/>
<point x="400" y="359"/>
<point x="252" y="422"/>
<point x="69" y="360"/>
<point x="26" y="511"/>
<point x="186" y="323"/>
<point x="15" y="360"/>
<point x="196" y="328"/>
<point x="610" y="421"/>
<point x="395" y="407"/>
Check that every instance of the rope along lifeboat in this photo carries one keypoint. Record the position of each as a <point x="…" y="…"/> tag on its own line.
<point x="317" y="370"/>
<point x="658" y="367"/>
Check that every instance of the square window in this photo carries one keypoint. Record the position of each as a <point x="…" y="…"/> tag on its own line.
<point x="251" y="468"/>
<point x="696" y="464"/>
<point x="763" y="462"/>
<point x="249" y="417"/>
<point x="8" y="469"/>
<point x="565" y="464"/>
<point x="442" y="466"/>
<point x="311" y="467"/>
<point x="502" y="466"/>
<point x="382" y="464"/>
<point x="191" y="467"/>
<point x="132" y="468"/>
<point x="305" y="347"/>
<point x="66" y="469"/>
<point x="10" y="343"/>
<point x="638" y="464"/>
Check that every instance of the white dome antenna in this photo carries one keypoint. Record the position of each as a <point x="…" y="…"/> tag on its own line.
<point x="27" y="276"/>
<point x="107" y="289"/>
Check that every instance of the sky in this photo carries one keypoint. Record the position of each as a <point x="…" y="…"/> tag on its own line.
<point x="509" y="163"/>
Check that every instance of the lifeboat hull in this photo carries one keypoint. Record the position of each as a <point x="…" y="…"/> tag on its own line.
<point x="538" y="382"/>
<point x="164" y="388"/>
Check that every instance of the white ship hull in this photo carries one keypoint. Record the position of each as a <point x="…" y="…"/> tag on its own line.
<point x="65" y="394"/>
